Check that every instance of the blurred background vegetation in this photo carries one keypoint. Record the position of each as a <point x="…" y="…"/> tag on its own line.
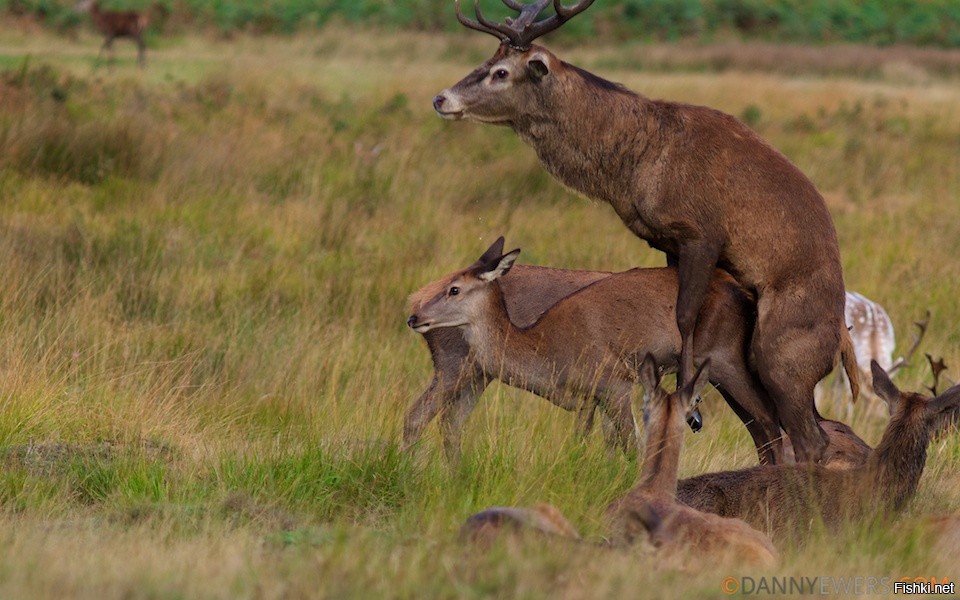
<point x="881" y="22"/>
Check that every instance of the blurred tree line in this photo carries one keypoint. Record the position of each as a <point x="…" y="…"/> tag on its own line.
<point x="878" y="22"/>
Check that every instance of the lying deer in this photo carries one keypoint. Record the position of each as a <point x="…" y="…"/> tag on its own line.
<point x="788" y="498"/>
<point x="651" y="506"/>
<point x="650" y="509"/>
<point x="872" y="333"/>
<point x="588" y="343"/>
<point x="694" y="183"/>
<point x="118" y="24"/>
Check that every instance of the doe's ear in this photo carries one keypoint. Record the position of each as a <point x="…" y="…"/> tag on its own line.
<point x="690" y="392"/>
<point x="883" y="386"/>
<point x="649" y="375"/>
<point x="499" y="268"/>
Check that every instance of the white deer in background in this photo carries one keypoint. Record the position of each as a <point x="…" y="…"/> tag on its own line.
<point x="873" y="339"/>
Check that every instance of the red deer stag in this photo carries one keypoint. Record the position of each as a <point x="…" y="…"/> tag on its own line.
<point x="118" y="24"/>
<point x="585" y="343"/>
<point x="691" y="181"/>
<point x="788" y="498"/>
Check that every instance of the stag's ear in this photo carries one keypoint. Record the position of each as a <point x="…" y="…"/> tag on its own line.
<point x="884" y="387"/>
<point x="690" y="392"/>
<point x="537" y="67"/>
<point x="496" y="269"/>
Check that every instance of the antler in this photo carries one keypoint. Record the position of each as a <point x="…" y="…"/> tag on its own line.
<point x="522" y="30"/>
<point x="937" y="366"/>
<point x="905" y="360"/>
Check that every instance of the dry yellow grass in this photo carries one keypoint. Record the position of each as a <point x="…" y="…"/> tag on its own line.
<point x="234" y="297"/>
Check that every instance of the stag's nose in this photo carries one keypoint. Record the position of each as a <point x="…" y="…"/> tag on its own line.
<point x="695" y="420"/>
<point x="438" y="101"/>
<point x="412" y="321"/>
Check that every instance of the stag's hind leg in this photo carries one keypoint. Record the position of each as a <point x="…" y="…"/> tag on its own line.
<point x="795" y="342"/>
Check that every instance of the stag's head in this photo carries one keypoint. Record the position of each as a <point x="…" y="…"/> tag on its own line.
<point x="463" y="297"/>
<point x="497" y="91"/>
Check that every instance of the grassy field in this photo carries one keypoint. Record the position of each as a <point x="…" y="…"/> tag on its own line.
<point x="203" y="359"/>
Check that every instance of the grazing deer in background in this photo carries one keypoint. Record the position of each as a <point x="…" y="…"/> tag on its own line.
<point x="650" y="508"/>
<point x="783" y="498"/>
<point x="586" y="343"/>
<point x="871" y="331"/>
<point x="691" y="181"/>
<point x="118" y="24"/>
<point x="651" y="505"/>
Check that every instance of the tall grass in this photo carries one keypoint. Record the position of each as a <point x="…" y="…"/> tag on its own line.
<point x="203" y="358"/>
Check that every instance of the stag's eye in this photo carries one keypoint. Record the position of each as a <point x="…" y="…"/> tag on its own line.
<point x="501" y="74"/>
<point x="453" y="291"/>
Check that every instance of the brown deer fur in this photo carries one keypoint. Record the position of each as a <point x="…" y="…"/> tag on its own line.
<point x="547" y="519"/>
<point x="458" y="379"/>
<point x="119" y="24"/>
<point x="651" y="505"/>
<point x="588" y="344"/>
<point x="697" y="184"/>
<point x="788" y="498"/>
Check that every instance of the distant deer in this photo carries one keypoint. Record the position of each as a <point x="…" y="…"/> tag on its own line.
<point x="581" y="353"/>
<point x="691" y="181"/>
<point x="118" y="24"/>
<point x="650" y="509"/>
<point x="871" y="330"/>
<point x="651" y="505"/>
<point x="785" y="498"/>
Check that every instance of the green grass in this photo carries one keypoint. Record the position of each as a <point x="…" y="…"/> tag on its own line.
<point x="204" y="364"/>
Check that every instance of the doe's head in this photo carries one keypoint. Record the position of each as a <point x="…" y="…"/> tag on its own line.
<point x="460" y="299"/>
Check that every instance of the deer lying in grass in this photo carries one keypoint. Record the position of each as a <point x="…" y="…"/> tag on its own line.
<point x="872" y="333"/>
<point x="788" y="498"/>
<point x="650" y="509"/>
<point x="118" y="24"/>
<point x="691" y="181"/>
<point x="587" y="345"/>
<point x="651" y="506"/>
<point x="546" y="519"/>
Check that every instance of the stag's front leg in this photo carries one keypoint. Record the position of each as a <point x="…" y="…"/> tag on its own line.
<point x="696" y="262"/>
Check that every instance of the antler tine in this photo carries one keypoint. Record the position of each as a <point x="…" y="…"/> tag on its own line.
<point x="501" y="32"/>
<point x="522" y="30"/>
<point x="937" y="366"/>
<point x="903" y="361"/>
<point x="532" y="31"/>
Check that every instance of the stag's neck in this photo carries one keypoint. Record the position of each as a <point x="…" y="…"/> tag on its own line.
<point x="589" y="132"/>
<point x="897" y="462"/>
<point x="661" y="459"/>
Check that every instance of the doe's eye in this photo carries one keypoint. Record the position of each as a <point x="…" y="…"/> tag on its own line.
<point x="453" y="291"/>
<point x="500" y="74"/>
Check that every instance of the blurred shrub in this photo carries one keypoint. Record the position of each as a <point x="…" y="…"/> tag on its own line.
<point x="919" y="22"/>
